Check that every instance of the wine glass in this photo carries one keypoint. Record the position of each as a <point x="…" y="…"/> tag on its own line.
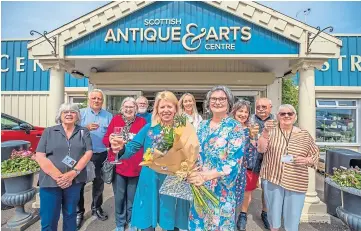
<point x="118" y="133"/>
<point x="254" y="125"/>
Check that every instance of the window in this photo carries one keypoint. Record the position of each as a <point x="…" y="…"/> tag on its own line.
<point x="336" y="121"/>
<point x="8" y="124"/>
<point x="81" y="101"/>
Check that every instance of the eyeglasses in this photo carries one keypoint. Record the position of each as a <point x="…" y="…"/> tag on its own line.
<point x="130" y="107"/>
<point x="283" y="114"/>
<point x="69" y="112"/>
<point x="261" y="107"/>
<point x="220" y="99"/>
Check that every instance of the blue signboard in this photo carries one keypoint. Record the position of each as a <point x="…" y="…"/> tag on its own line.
<point x="344" y="71"/>
<point x="18" y="73"/>
<point x="180" y="28"/>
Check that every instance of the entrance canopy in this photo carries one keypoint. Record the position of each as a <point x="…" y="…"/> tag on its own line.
<point x="149" y="30"/>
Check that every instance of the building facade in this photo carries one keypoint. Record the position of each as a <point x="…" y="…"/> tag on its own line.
<point x="140" y="48"/>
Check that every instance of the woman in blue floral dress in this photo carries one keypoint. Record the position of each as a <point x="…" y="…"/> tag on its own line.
<point x="222" y="143"/>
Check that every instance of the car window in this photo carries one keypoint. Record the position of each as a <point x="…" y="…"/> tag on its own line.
<point x="7" y="124"/>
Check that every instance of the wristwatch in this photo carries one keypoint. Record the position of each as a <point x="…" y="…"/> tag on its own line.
<point x="77" y="171"/>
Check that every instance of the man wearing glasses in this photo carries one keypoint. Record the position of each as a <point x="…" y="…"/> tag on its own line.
<point x="96" y="120"/>
<point x="263" y="118"/>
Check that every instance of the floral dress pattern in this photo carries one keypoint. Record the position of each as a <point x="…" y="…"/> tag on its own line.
<point x="250" y="152"/>
<point x="221" y="149"/>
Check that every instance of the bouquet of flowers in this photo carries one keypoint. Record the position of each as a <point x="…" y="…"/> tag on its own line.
<point x="176" y="155"/>
<point x="20" y="163"/>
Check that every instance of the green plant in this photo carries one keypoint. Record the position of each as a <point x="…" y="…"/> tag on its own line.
<point x="19" y="162"/>
<point x="289" y="93"/>
<point x="347" y="177"/>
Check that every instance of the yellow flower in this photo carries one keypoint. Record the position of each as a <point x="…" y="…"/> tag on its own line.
<point x="148" y="156"/>
<point x="178" y="131"/>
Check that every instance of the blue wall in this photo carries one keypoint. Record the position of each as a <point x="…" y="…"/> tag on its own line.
<point x="351" y="45"/>
<point x="27" y="80"/>
<point x="205" y="16"/>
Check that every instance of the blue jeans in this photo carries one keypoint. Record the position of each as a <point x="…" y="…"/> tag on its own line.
<point x="52" y="200"/>
<point x="124" y="191"/>
<point x="280" y="200"/>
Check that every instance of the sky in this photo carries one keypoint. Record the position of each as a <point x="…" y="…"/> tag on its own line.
<point x="19" y="18"/>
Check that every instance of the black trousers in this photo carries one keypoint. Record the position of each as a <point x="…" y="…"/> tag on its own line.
<point x="98" y="184"/>
<point x="124" y="191"/>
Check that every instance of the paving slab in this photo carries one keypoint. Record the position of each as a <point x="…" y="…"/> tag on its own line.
<point x="254" y="220"/>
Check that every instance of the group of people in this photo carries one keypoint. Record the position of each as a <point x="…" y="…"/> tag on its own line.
<point x="236" y="150"/>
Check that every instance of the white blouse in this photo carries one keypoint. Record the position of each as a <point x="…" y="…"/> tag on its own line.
<point x="196" y="121"/>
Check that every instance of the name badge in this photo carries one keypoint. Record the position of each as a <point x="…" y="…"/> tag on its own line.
<point x="68" y="161"/>
<point x="287" y="158"/>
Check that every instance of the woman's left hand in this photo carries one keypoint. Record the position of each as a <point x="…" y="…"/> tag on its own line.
<point x="302" y="161"/>
<point x="196" y="178"/>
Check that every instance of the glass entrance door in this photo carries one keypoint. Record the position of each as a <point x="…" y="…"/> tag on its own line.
<point x="113" y="99"/>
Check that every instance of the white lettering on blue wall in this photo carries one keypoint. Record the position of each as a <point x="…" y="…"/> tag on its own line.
<point x="355" y="63"/>
<point x="20" y="64"/>
<point x="191" y="39"/>
<point x="162" y="21"/>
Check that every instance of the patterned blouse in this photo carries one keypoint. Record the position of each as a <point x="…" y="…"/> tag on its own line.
<point x="289" y="175"/>
<point x="221" y="149"/>
<point x="250" y="155"/>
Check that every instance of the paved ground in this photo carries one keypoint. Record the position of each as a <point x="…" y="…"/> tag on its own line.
<point x="254" y="222"/>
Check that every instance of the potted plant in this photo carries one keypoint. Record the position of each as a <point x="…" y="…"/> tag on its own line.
<point x="18" y="175"/>
<point x="349" y="182"/>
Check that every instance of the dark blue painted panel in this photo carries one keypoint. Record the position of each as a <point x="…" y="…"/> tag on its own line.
<point x="351" y="45"/>
<point x="27" y="80"/>
<point x="200" y="13"/>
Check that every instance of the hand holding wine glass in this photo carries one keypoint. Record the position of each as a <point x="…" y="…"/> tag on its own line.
<point x="117" y="143"/>
<point x="254" y="127"/>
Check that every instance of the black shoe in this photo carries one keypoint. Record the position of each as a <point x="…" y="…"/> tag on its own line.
<point x="265" y="220"/>
<point x="100" y="214"/>
<point x="242" y="221"/>
<point x="79" y="220"/>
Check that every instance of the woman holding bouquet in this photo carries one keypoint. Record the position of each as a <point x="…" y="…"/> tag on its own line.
<point x="127" y="172"/>
<point x="222" y="143"/>
<point x="151" y="208"/>
<point x="187" y="105"/>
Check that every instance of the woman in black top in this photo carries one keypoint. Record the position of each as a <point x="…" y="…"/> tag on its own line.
<point x="62" y="153"/>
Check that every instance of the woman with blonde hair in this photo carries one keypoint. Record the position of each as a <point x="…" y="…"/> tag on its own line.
<point x="187" y="105"/>
<point x="150" y="208"/>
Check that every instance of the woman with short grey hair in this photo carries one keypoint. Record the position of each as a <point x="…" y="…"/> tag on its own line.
<point x="63" y="152"/>
<point x="288" y="152"/>
<point x="223" y="141"/>
<point x="228" y="95"/>
<point x="125" y="179"/>
<point x="65" y="107"/>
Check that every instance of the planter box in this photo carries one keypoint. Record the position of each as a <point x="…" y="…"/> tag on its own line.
<point x="350" y="211"/>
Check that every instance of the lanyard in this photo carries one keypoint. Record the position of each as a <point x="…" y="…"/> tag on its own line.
<point x="287" y="141"/>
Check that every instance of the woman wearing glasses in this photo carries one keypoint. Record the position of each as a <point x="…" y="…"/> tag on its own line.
<point x="288" y="152"/>
<point x="63" y="152"/>
<point x="127" y="171"/>
<point x="222" y="143"/>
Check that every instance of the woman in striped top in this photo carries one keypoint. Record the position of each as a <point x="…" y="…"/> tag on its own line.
<point x="288" y="152"/>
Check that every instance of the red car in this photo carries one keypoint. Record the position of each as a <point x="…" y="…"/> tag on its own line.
<point x="15" y="129"/>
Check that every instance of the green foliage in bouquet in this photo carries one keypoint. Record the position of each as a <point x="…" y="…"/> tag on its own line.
<point x="19" y="162"/>
<point x="347" y="177"/>
<point x="168" y="133"/>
